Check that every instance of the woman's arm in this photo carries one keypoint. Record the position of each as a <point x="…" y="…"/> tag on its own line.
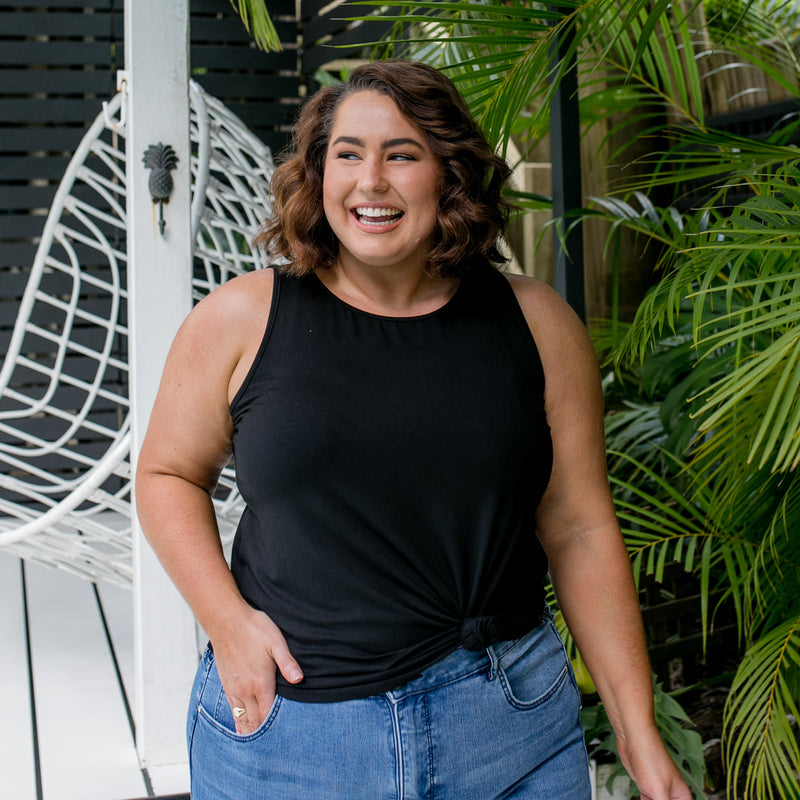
<point x="589" y="565"/>
<point x="188" y="442"/>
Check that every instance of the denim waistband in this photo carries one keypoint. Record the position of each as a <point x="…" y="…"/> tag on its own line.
<point x="460" y="664"/>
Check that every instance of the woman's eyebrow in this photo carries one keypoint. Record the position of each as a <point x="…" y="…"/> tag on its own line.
<point x="387" y="145"/>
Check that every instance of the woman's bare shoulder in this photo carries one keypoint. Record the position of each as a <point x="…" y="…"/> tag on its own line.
<point x="236" y="300"/>
<point x="555" y="326"/>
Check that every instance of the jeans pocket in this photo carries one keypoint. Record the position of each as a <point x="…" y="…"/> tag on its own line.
<point x="534" y="668"/>
<point x="214" y="709"/>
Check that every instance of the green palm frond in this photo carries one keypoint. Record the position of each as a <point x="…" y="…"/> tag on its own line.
<point x="501" y="54"/>
<point x="764" y="34"/>
<point x="761" y="742"/>
<point x="259" y="24"/>
<point x="774" y="582"/>
<point x="496" y="52"/>
<point x="716" y="162"/>
<point x="648" y="45"/>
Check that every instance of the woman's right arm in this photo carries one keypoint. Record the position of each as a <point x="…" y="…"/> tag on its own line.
<point x="188" y="442"/>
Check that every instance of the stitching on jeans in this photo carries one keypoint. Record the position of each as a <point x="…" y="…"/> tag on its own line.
<point x="236" y="737"/>
<point x="190" y="743"/>
<point x="526" y="706"/>
<point x="429" y="737"/>
<point x="425" y="689"/>
<point x="398" y="748"/>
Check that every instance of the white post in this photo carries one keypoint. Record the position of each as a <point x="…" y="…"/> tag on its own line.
<point x="159" y="283"/>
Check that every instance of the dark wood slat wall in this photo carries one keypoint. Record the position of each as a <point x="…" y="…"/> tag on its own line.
<point x="58" y="62"/>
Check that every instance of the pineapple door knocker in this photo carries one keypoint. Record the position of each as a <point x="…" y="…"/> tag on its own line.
<point x="160" y="158"/>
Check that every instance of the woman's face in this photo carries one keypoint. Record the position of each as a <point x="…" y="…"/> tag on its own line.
<point x="381" y="184"/>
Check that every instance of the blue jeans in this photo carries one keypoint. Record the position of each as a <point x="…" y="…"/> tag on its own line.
<point x="499" y="723"/>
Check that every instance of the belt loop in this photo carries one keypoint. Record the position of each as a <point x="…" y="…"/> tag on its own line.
<point x="492" y="662"/>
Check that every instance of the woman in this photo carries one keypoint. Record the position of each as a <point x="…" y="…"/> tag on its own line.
<point x="419" y="439"/>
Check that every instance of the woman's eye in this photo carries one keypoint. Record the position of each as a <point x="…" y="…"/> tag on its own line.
<point x="347" y="156"/>
<point x="401" y="157"/>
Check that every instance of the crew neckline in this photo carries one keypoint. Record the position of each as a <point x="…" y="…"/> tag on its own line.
<point x="388" y="317"/>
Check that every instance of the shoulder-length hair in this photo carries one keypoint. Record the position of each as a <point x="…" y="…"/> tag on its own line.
<point x="471" y="212"/>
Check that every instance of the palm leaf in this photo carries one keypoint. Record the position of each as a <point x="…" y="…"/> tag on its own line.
<point x="259" y="24"/>
<point x="760" y="743"/>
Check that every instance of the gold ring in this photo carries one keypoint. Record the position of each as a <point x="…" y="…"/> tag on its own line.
<point x="238" y="712"/>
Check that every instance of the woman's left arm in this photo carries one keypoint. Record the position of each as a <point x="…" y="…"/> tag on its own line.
<point x="589" y="565"/>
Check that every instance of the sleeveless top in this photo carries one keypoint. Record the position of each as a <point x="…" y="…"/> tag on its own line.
<point x="391" y="468"/>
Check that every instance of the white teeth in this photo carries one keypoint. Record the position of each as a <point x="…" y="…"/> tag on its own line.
<point x="369" y="211"/>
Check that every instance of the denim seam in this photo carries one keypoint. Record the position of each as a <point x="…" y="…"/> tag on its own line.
<point x="527" y="706"/>
<point x="197" y="707"/>
<point x="398" y="748"/>
<point x="429" y="737"/>
<point x="426" y="689"/>
<point x="237" y="737"/>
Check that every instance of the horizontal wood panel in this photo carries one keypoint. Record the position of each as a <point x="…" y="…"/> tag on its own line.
<point x="16" y="254"/>
<point x="311" y="8"/>
<point x="62" y="23"/>
<point x="65" y="53"/>
<point x="274" y="114"/>
<point x="57" y="138"/>
<point x="275" y="140"/>
<point x="334" y="22"/>
<point x="14" y="283"/>
<point x="56" y="109"/>
<point x="253" y="86"/>
<point x="42" y="351"/>
<point x="223" y="7"/>
<point x="231" y="30"/>
<point x="22" y="254"/>
<point x="75" y="366"/>
<point x="51" y="428"/>
<point x="21" y="226"/>
<point x="233" y="59"/>
<point x="57" y="81"/>
<point x="95" y="5"/>
<point x="357" y="36"/>
<point x="71" y="397"/>
<point x="19" y="169"/>
<point x="25" y="197"/>
<point x="62" y="465"/>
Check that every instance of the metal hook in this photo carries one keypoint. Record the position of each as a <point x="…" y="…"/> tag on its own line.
<point x="122" y="86"/>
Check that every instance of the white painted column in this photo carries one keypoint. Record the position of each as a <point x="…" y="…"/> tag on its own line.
<point x="159" y="283"/>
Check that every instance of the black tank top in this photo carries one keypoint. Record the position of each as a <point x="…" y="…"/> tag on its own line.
<point x="391" y="468"/>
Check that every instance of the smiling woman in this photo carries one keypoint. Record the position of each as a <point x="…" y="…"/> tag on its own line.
<point x="434" y="124"/>
<point x="418" y="439"/>
<point x="381" y="190"/>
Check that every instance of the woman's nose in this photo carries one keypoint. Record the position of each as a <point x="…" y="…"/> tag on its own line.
<point x="373" y="176"/>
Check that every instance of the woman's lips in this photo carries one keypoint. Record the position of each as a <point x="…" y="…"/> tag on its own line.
<point x="377" y="217"/>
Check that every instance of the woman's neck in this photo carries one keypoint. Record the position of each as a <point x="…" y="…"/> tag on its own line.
<point x="388" y="291"/>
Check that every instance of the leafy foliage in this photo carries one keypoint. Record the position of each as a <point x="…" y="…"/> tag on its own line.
<point x="259" y="24"/>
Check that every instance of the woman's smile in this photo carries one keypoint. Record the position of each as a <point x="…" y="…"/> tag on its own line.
<point x="378" y="217"/>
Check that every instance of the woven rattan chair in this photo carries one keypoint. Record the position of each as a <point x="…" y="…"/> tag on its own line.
<point x="65" y="477"/>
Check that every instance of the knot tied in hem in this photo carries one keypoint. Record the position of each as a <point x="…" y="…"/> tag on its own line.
<point x="478" y="633"/>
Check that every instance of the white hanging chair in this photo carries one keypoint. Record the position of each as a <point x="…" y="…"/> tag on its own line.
<point x="65" y="475"/>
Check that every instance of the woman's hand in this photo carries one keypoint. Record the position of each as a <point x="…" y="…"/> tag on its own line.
<point x="651" y="768"/>
<point x="248" y="656"/>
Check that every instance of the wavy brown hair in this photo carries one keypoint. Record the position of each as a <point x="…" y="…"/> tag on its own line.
<point x="471" y="213"/>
